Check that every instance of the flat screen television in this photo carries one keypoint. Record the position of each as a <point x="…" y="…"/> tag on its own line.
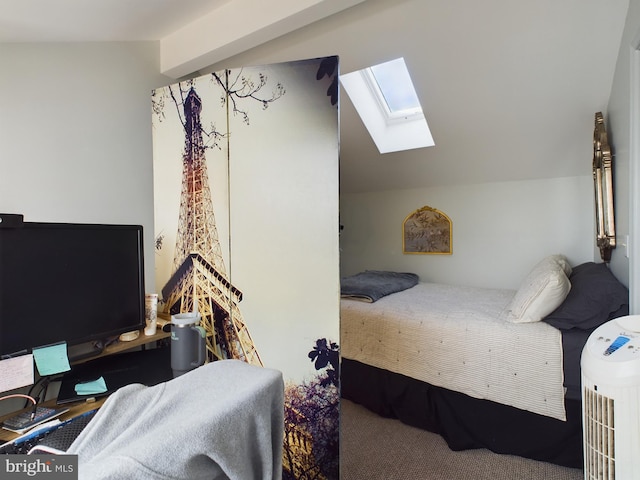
<point x="76" y="283"/>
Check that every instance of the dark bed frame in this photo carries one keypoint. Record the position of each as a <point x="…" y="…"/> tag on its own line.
<point x="465" y="422"/>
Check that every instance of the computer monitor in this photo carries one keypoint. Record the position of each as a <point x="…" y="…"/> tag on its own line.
<point x="76" y="283"/>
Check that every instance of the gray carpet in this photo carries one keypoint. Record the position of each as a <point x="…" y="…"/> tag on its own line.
<point x="376" y="448"/>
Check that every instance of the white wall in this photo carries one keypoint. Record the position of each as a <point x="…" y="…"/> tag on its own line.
<point x="500" y="230"/>
<point x="75" y="133"/>
<point x="621" y="127"/>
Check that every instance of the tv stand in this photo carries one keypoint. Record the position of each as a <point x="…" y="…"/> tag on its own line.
<point x="119" y="346"/>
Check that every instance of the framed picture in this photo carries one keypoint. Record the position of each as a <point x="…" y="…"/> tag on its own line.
<point x="427" y="230"/>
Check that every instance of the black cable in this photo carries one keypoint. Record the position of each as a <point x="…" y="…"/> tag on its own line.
<point x="31" y="390"/>
<point x="43" y="383"/>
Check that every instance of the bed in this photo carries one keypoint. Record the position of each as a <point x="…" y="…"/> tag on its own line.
<point x="485" y="368"/>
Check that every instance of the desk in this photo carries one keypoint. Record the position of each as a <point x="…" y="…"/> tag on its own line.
<point x="224" y="419"/>
<point x="78" y="408"/>
<point x="75" y="409"/>
<point x="119" y="346"/>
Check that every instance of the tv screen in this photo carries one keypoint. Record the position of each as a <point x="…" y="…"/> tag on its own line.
<point x="73" y="283"/>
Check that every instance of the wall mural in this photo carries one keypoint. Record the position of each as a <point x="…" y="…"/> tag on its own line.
<point x="246" y="216"/>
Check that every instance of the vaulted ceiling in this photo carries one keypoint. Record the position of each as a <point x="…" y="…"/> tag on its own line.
<point x="509" y="88"/>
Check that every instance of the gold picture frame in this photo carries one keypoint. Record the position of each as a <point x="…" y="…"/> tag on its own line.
<point x="427" y="230"/>
<point x="603" y="186"/>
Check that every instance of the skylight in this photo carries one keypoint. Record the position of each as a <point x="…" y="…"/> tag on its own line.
<point x="396" y="87"/>
<point x="388" y="105"/>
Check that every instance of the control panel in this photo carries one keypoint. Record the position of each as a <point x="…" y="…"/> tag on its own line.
<point x="617" y="343"/>
<point x="617" y="340"/>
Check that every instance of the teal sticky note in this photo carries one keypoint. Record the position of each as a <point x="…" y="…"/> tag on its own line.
<point x="52" y="359"/>
<point x="91" y="388"/>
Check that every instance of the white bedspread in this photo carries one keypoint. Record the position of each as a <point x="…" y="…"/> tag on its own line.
<point x="456" y="338"/>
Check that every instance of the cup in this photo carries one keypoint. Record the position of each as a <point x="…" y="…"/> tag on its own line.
<point x="151" y="313"/>
<point x="188" y="346"/>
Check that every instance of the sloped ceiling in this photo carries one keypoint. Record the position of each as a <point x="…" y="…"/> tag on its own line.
<point x="509" y="88"/>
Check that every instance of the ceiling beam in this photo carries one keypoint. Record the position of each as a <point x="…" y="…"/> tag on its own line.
<point x="237" y="26"/>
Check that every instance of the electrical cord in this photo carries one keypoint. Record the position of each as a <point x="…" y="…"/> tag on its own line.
<point x="22" y="395"/>
<point x="31" y="390"/>
<point x="17" y="395"/>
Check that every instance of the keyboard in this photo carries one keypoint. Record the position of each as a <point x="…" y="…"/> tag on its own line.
<point x="23" y="422"/>
<point x="55" y="439"/>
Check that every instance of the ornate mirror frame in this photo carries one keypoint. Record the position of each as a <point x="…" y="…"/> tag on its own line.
<point x="603" y="182"/>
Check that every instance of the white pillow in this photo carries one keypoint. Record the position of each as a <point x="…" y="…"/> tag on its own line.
<point x="560" y="260"/>
<point x="541" y="292"/>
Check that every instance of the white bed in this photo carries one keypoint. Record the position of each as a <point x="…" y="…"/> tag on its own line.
<point x="485" y="368"/>
<point x="458" y="338"/>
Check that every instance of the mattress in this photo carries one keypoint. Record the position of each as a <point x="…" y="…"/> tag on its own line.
<point x="458" y="338"/>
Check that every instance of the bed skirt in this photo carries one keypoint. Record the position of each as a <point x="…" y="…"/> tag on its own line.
<point x="463" y="421"/>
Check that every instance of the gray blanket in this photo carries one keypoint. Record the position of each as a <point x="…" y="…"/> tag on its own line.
<point x="371" y="285"/>
<point x="224" y="420"/>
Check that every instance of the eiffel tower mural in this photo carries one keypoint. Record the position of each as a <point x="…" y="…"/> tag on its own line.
<point x="275" y="200"/>
<point x="199" y="276"/>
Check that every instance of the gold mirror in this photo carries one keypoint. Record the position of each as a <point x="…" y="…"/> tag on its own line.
<point x="603" y="182"/>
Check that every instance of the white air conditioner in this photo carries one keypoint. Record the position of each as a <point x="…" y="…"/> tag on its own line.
<point x="610" y="366"/>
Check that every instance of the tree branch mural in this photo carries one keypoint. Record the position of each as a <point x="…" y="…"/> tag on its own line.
<point x="329" y="67"/>
<point x="235" y="88"/>
<point x="240" y="87"/>
<point x="312" y="419"/>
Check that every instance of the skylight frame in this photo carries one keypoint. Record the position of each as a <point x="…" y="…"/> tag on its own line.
<point x="390" y="131"/>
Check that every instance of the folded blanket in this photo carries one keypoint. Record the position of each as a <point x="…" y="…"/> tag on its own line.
<point x="371" y="285"/>
<point x="222" y="421"/>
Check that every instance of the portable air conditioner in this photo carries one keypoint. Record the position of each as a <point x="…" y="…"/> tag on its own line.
<point x="610" y="365"/>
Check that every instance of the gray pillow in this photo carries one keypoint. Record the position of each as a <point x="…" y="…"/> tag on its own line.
<point x="596" y="296"/>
